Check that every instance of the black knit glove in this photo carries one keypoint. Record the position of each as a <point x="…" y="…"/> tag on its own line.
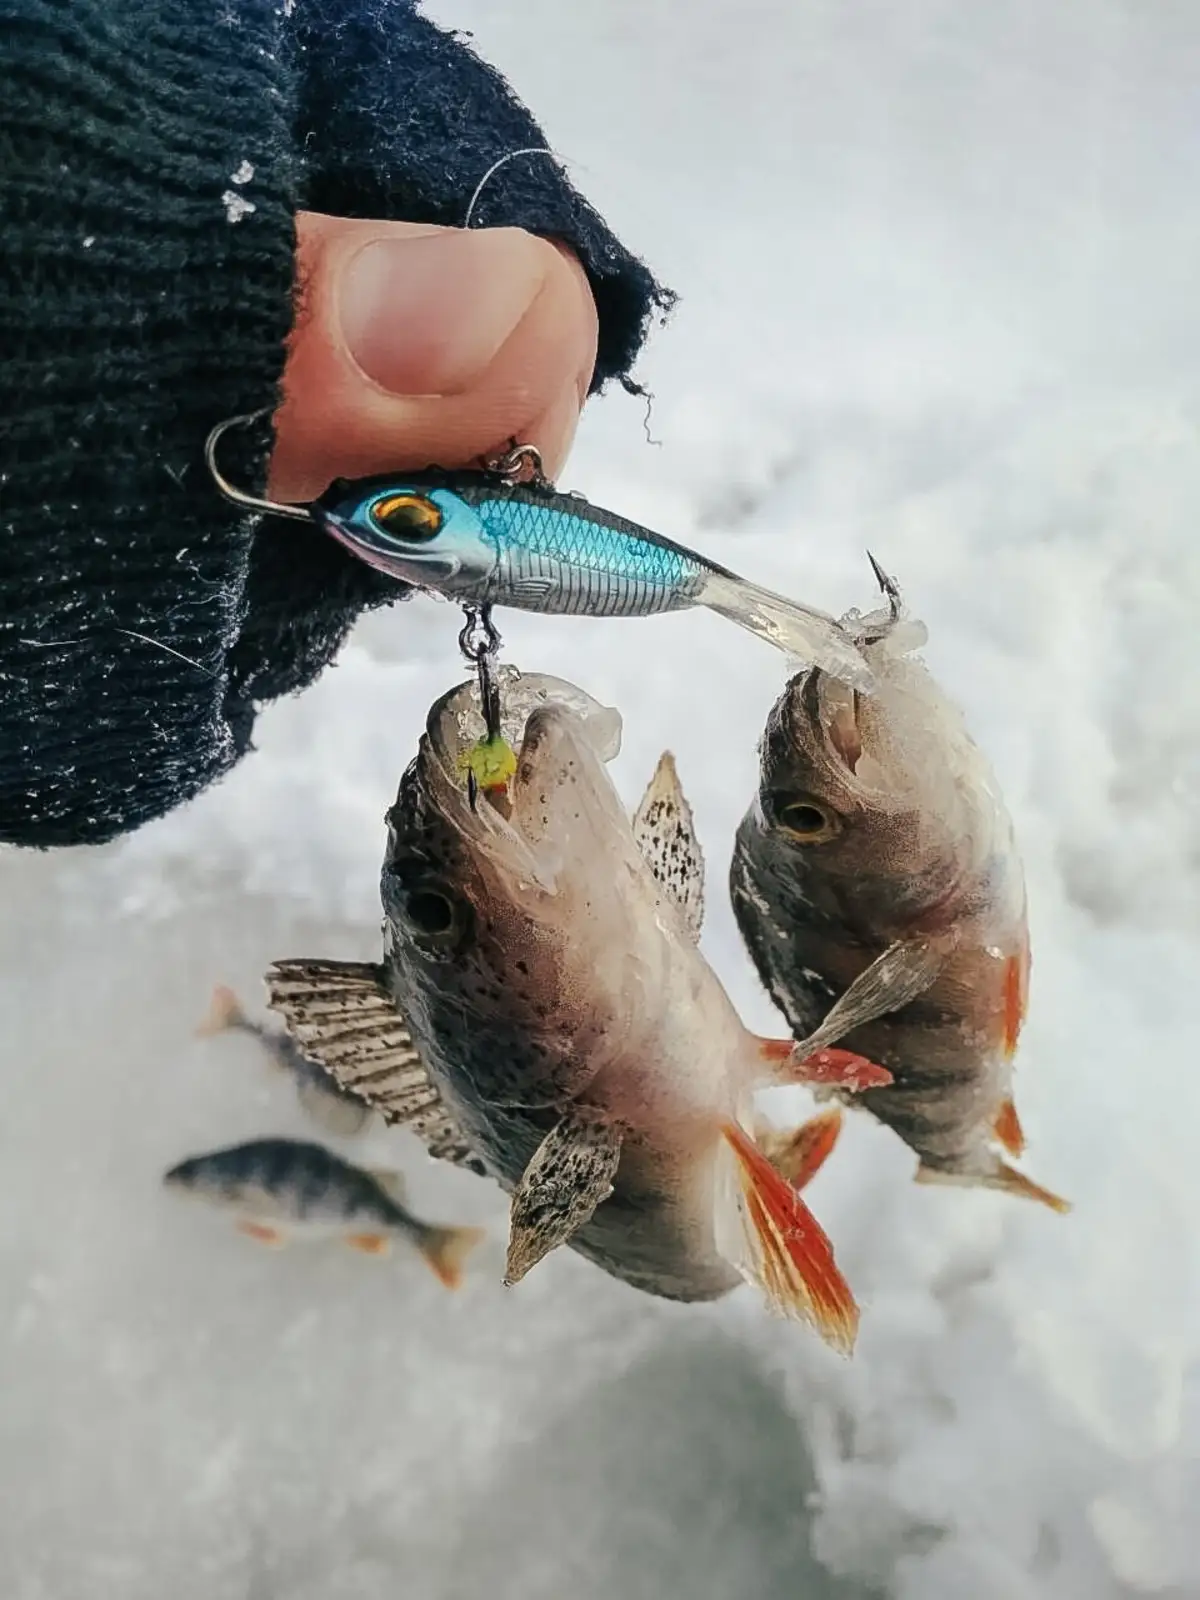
<point x="152" y="156"/>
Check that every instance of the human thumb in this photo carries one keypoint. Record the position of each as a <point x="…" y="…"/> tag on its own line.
<point x="415" y="345"/>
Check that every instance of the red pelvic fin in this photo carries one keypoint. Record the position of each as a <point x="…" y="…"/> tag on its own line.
<point x="800" y="1155"/>
<point x="788" y="1254"/>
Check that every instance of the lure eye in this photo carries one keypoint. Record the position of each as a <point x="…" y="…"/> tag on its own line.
<point x="412" y="517"/>
<point x="806" y="821"/>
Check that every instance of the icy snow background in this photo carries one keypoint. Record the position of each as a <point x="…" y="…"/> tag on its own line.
<point x="939" y="268"/>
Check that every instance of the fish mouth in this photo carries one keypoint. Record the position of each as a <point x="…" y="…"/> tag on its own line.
<point x="824" y="715"/>
<point x="559" y="795"/>
<point x="841" y="738"/>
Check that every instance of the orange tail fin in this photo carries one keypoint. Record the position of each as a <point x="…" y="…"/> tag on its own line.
<point x="224" y="1011"/>
<point x="1014" y="1182"/>
<point x="789" y="1256"/>
<point x="1007" y="1128"/>
<point x="800" y="1155"/>
<point x="832" y="1067"/>
<point x="1002" y="1177"/>
<point x="446" y="1250"/>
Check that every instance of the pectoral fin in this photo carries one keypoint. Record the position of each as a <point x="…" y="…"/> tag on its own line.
<point x="371" y="1244"/>
<point x="904" y="971"/>
<point x="343" y="1016"/>
<point x="570" y="1174"/>
<point x="666" y="835"/>
<point x="258" y="1230"/>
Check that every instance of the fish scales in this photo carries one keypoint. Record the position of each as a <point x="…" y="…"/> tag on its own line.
<point x="610" y="568"/>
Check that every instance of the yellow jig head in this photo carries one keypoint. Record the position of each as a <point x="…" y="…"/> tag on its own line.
<point x="491" y="761"/>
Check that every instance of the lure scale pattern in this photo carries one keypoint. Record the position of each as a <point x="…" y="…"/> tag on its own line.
<point x="584" y="566"/>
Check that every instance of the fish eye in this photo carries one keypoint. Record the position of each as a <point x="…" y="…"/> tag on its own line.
<point x="413" y="517"/>
<point x="806" y="821"/>
<point x="430" y="911"/>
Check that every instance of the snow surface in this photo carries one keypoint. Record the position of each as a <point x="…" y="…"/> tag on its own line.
<point x="939" y="269"/>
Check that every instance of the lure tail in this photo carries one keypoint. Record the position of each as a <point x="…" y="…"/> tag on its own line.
<point x="811" y="636"/>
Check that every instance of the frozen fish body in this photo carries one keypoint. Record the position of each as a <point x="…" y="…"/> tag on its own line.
<point x="280" y="1189"/>
<point x="543" y="1013"/>
<point x="878" y="887"/>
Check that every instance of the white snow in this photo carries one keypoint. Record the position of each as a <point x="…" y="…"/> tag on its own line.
<point x="939" y="270"/>
<point x="236" y="205"/>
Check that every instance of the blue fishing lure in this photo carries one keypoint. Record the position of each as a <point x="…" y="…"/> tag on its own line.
<point x="481" y="539"/>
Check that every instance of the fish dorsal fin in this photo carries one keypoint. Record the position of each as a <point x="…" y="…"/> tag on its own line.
<point x="343" y="1016"/>
<point x="571" y="1172"/>
<point x="665" y="832"/>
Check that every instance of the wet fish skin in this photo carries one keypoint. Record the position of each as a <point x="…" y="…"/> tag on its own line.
<point x="878" y="827"/>
<point x="543" y="1014"/>
<point x="546" y="964"/>
<point x="514" y="1023"/>
<point x="280" y="1188"/>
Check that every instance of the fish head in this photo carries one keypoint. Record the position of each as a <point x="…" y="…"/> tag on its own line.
<point x="186" y="1175"/>
<point x="211" y="1177"/>
<point x="425" y="535"/>
<point x="503" y="917"/>
<point x="882" y="801"/>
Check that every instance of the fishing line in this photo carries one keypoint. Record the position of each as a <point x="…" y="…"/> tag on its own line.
<point x="167" y="650"/>
<point x="56" y="644"/>
<point x="628" y="384"/>
<point x="529" y="150"/>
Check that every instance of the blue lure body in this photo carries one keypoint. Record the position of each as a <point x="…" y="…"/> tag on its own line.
<point x="479" y="539"/>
